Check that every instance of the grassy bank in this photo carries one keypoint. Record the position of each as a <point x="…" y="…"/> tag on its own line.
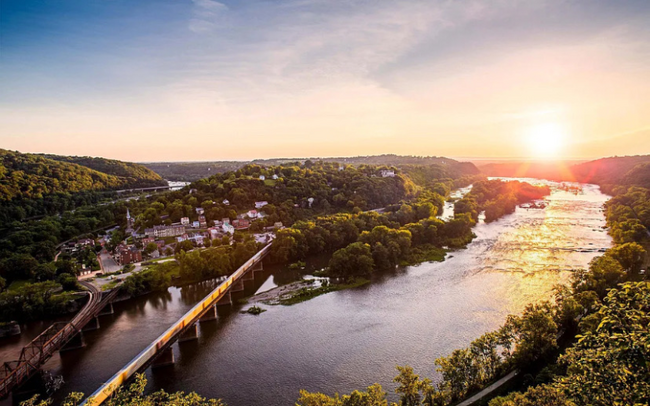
<point x="307" y="293"/>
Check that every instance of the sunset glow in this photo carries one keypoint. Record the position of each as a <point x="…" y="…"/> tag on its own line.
<point x="546" y="140"/>
<point x="222" y="80"/>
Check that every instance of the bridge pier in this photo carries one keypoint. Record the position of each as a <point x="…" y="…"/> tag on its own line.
<point x="166" y="358"/>
<point x="258" y="267"/>
<point x="93" y="324"/>
<point x="210" y="315"/>
<point x="108" y="309"/>
<point x="248" y="276"/>
<point x="226" y="300"/>
<point x="192" y="333"/>
<point x="76" y="342"/>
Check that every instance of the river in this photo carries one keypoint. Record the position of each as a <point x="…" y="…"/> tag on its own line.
<point x="350" y="339"/>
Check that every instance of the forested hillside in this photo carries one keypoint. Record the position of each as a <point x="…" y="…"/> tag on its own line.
<point x="135" y="175"/>
<point x="191" y="171"/>
<point x="31" y="176"/>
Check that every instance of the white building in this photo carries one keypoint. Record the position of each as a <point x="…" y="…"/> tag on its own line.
<point x="228" y="228"/>
<point x="196" y="224"/>
<point x="387" y="173"/>
<point x="259" y="205"/>
<point x="275" y="177"/>
<point x="199" y="210"/>
<point x="198" y="239"/>
<point x="262" y="177"/>
<point x="253" y="214"/>
<point x="185" y="221"/>
<point x="226" y="202"/>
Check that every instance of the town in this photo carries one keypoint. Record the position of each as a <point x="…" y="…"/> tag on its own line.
<point x="161" y="242"/>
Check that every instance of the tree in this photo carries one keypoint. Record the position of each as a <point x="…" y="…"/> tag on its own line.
<point x="536" y="333"/>
<point x="151" y="247"/>
<point x="373" y="396"/>
<point x="615" y="354"/>
<point x="542" y="395"/>
<point x="409" y="386"/>
<point x="68" y="282"/>
<point x="630" y="255"/>
<point x="184" y="246"/>
<point x="604" y="273"/>
<point x="45" y="272"/>
<point x="353" y="260"/>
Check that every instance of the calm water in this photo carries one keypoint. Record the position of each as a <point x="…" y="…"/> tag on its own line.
<point x="350" y="339"/>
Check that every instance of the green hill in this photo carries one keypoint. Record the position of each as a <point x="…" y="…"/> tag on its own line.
<point x="135" y="174"/>
<point x="33" y="176"/>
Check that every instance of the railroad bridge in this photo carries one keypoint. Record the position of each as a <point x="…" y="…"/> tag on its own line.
<point x="58" y="337"/>
<point x="159" y="353"/>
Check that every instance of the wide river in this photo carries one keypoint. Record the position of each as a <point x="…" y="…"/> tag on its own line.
<point x="349" y="339"/>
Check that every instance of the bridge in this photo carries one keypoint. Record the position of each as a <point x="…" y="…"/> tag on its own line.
<point x="58" y="337"/>
<point x="142" y="189"/>
<point x="159" y="353"/>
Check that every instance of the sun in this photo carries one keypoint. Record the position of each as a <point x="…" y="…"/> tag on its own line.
<point x="546" y="140"/>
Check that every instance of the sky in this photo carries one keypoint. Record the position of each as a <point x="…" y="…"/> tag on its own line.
<point x="191" y="80"/>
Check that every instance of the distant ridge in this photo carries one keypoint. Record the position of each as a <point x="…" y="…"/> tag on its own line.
<point x="624" y="170"/>
<point x="191" y="171"/>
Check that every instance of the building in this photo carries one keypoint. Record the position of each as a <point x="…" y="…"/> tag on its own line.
<point x="262" y="177"/>
<point x="196" y="224"/>
<point x="197" y="239"/>
<point x="259" y="205"/>
<point x="215" y="232"/>
<point x="148" y="240"/>
<point x="203" y="222"/>
<point x="228" y="228"/>
<point x="199" y="210"/>
<point x="225" y="220"/>
<point x="185" y="221"/>
<point x="130" y="221"/>
<point x="128" y="254"/>
<point x="165" y="231"/>
<point x="85" y="242"/>
<point x="252" y="214"/>
<point x="387" y="173"/>
<point x="226" y="202"/>
<point x="182" y="238"/>
<point x="241" y="224"/>
<point x="275" y="177"/>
